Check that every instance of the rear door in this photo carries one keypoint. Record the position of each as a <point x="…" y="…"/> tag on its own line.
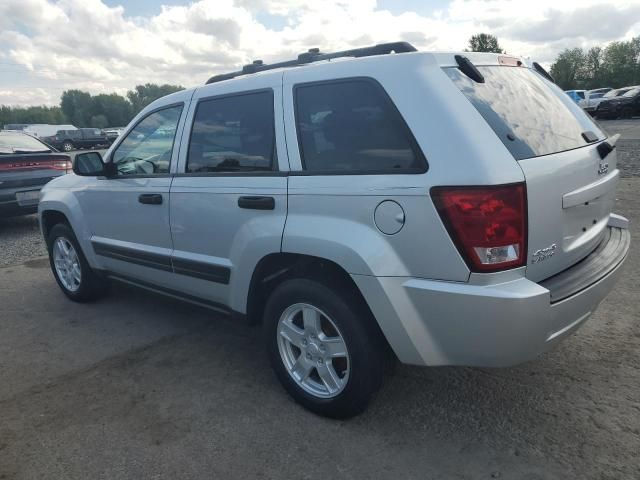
<point x="229" y="197"/>
<point x="570" y="181"/>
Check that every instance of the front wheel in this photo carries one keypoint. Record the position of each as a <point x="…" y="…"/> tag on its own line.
<point x="67" y="146"/>
<point x="73" y="274"/>
<point x="326" y="352"/>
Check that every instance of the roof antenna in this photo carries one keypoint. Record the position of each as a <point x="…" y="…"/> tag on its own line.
<point x="467" y="67"/>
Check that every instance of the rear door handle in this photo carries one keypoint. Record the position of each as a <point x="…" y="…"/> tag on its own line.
<point x="150" y="198"/>
<point x="257" y="203"/>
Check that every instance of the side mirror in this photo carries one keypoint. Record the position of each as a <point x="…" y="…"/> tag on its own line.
<point x="90" y="164"/>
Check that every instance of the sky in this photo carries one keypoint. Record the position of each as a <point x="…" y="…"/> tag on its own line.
<point x="104" y="46"/>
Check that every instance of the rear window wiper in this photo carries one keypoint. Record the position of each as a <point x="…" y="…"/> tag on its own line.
<point x="589" y="136"/>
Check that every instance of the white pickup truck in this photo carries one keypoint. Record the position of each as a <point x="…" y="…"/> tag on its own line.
<point x="592" y="99"/>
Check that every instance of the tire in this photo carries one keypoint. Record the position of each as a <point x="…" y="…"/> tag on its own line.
<point x="67" y="146"/>
<point x="353" y="378"/>
<point x="88" y="285"/>
<point x="626" y="113"/>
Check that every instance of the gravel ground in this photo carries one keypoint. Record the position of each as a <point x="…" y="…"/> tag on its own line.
<point x="138" y="386"/>
<point x="20" y="240"/>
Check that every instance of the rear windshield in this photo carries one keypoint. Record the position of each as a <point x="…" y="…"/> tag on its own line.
<point x="531" y="116"/>
<point x="12" y="142"/>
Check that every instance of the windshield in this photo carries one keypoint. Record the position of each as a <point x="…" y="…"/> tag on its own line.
<point x="530" y="115"/>
<point x="632" y="93"/>
<point x="19" y="142"/>
<point x="615" y="93"/>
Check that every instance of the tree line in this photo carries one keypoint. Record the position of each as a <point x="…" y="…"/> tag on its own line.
<point x="85" y="110"/>
<point x="616" y="65"/>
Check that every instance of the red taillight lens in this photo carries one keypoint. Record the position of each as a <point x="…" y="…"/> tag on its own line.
<point x="487" y="224"/>
<point x="64" y="165"/>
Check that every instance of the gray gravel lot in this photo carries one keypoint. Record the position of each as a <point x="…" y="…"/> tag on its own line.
<point x="139" y="386"/>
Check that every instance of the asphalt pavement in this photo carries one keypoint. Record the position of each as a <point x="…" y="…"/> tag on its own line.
<point x="141" y="386"/>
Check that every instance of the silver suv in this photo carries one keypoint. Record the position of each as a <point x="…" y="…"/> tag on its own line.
<point x="362" y="206"/>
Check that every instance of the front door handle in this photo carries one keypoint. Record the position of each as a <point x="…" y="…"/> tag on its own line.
<point x="150" y="198"/>
<point x="257" y="203"/>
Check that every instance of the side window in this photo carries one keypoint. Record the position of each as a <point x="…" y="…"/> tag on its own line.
<point x="352" y="126"/>
<point x="233" y="134"/>
<point x="146" y="150"/>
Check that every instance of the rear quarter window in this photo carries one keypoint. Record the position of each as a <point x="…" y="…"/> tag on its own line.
<point x="531" y="116"/>
<point x="351" y="126"/>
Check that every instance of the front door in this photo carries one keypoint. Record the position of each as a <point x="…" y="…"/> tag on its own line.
<point x="129" y="213"/>
<point x="228" y="198"/>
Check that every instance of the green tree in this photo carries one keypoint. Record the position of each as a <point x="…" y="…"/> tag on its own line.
<point x="569" y="69"/>
<point x="115" y="108"/>
<point x="77" y="106"/>
<point x="34" y="114"/>
<point x="593" y="68"/>
<point x="484" y="42"/>
<point x="621" y="63"/>
<point x="143" y="95"/>
<point x="99" y="121"/>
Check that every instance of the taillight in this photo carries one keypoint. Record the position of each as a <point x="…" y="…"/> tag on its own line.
<point x="64" y="165"/>
<point x="487" y="224"/>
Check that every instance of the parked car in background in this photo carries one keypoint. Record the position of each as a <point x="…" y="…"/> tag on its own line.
<point x="337" y="204"/>
<point x="592" y="98"/>
<point x="26" y="165"/>
<point x="42" y="130"/>
<point x="623" y="104"/>
<point x="67" y="140"/>
<point x="114" y="132"/>
<point x="576" y="95"/>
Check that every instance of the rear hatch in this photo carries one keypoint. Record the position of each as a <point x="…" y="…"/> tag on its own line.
<point x="569" y="168"/>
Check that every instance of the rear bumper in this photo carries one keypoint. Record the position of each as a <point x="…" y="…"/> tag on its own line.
<point x="444" y="323"/>
<point x="12" y="209"/>
<point x="9" y="205"/>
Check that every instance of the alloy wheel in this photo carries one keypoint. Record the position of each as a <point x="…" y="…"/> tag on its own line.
<point x="313" y="350"/>
<point x="67" y="264"/>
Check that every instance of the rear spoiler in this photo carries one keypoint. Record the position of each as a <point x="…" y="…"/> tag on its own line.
<point x="538" y="68"/>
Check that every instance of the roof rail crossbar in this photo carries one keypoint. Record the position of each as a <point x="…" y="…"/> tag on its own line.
<point x="314" y="55"/>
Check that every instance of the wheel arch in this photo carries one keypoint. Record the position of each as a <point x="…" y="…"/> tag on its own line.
<point x="49" y="218"/>
<point x="274" y="268"/>
<point x="59" y="205"/>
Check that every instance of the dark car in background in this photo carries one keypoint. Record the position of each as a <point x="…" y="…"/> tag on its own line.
<point x="626" y="105"/>
<point x="609" y="106"/>
<point x="68" y="140"/>
<point x="26" y="165"/>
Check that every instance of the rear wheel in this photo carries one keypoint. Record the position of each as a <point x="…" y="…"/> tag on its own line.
<point x="73" y="274"/>
<point x="326" y="352"/>
<point x="627" y="112"/>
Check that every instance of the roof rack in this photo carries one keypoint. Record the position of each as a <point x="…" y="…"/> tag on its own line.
<point x="314" y="55"/>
